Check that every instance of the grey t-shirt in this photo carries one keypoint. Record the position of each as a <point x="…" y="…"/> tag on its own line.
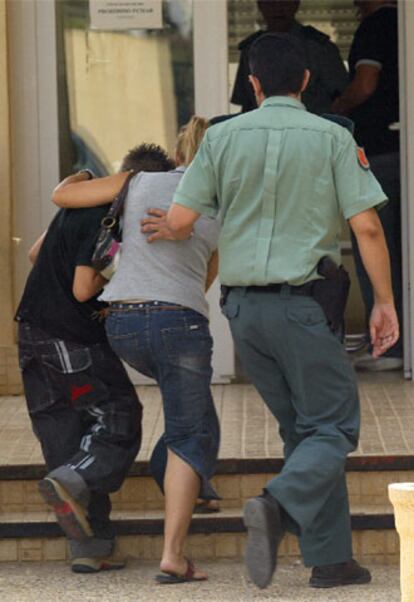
<point x="164" y="270"/>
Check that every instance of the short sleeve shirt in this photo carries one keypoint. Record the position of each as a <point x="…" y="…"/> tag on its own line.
<point x="281" y="179"/>
<point x="376" y="43"/>
<point x="47" y="300"/>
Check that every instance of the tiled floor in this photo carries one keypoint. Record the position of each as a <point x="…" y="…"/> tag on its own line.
<point x="248" y="429"/>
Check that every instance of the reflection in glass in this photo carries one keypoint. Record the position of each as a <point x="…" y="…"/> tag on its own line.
<point x="120" y="88"/>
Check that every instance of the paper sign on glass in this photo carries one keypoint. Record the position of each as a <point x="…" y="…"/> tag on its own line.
<point x="125" y="14"/>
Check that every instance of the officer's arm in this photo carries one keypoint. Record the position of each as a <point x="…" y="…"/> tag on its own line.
<point x="373" y="248"/>
<point x="196" y="194"/>
<point x="87" y="283"/>
<point x="374" y="253"/>
<point x="359" y="90"/>
<point x="180" y="221"/>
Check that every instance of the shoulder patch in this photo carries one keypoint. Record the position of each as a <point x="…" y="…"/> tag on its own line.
<point x="362" y="158"/>
<point x="250" y="39"/>
<point x="314" y="34"/>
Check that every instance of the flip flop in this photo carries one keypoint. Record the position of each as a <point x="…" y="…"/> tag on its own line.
<point x="173" y="578"/>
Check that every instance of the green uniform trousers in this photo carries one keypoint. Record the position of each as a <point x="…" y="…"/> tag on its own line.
<point x="304" y="375"/>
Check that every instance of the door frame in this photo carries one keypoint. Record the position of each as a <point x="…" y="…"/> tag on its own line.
<point x="406" y="58"/>
<point x="211" y="99"/>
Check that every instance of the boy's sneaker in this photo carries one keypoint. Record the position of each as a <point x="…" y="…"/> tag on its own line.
<point x="70" y="514"/>
<point x="342" y="573"/>
<point x="377" y="364"/>
<point x="95" y="565"/>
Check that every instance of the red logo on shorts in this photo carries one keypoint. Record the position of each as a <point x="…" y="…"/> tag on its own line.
<point x="76" y="392"/>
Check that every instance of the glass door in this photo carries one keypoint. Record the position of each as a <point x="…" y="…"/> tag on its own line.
<point x="120" y="86"/>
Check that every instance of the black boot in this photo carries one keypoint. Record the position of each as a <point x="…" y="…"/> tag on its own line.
<point x="262" y="518"/>
<point x="342" y="573"/>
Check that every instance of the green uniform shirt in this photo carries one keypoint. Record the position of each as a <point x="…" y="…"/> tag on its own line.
<point x="280" y="178"/>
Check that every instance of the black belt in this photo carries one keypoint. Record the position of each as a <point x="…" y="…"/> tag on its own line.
<point x="304" y="289"/>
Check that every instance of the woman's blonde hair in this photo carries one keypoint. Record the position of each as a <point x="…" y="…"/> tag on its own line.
<point x="189" y="139"/>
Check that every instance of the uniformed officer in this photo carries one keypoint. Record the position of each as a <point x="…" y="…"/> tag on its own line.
<point x="281" y="178"/>
<point x="328" y="74"/>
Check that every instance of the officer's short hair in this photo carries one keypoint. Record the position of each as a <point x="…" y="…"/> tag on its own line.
<point x="147" y="157"/>
<point x="279" y="62"/>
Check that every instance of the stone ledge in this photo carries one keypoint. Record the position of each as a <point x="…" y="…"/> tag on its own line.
<point x="241" y="466"/>
<point x="373" y="547"/>
<point x="37" y="525"/>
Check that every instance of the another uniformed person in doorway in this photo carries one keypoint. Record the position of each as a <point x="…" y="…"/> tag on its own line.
<point x="328" y="74"/>
<point x="281" y="178"/>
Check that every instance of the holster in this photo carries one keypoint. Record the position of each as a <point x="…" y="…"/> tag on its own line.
<point x="332" y="292"/>
<point x="224" y="291"/>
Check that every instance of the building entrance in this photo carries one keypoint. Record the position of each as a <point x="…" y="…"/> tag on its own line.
<point x="117" y="87"/>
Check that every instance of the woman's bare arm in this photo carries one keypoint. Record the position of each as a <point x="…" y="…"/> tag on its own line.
<point x="79" y="191"/>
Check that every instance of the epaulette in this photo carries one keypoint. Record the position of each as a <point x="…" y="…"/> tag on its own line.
<point x="314" y="34"/>
<point x="250" y="39"/>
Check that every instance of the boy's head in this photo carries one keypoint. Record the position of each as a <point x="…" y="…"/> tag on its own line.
<point x="147" y="157"/>
<point x="278" y="64"/>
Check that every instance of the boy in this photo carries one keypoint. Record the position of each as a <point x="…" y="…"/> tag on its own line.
<point x="83" y="407"/>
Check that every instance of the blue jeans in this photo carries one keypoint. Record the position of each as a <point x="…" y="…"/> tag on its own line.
<point x="172" y="344"/>
<point x="386" y="168"/>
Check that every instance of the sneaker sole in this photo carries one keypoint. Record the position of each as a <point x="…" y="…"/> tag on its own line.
<point x="380" y="367"/>
<point x="69" y="514"/>
<point x="263" y="537"/>
<point x="95" y="565"/>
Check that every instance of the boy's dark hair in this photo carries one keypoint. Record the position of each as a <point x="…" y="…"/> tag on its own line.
<point x="147" y="157"/>
<point x="278" y="61"/>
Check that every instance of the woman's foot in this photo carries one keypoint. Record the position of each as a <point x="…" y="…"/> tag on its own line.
<point x="179" y="571"/>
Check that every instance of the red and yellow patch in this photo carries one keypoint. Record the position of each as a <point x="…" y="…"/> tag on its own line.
<point x="362" y="158"/>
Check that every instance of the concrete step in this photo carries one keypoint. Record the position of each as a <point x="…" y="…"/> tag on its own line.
<point x="36" y="536"/>
<point x="366" y="487"/>
<point x="29" y="530"/>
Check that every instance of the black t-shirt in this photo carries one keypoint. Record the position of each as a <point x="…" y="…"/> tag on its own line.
<point x="47" y="300"/>
<point x="376" y="41"/>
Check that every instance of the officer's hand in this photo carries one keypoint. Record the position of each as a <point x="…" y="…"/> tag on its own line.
<point x="384" y="329"/>
<point x="156" y="226"/>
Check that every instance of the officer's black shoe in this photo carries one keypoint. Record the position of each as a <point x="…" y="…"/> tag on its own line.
<point x="265" y="531"/>
<point x="343" y="573"/>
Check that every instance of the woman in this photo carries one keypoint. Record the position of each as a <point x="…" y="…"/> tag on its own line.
<point x="158" y="324"/>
